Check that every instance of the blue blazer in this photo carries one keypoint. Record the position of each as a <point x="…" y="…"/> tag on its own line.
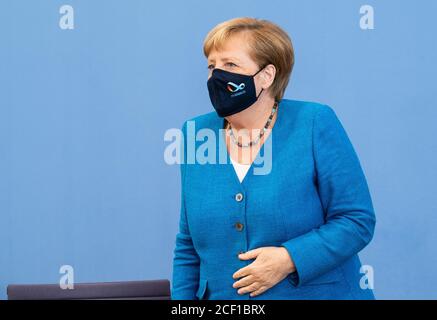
<point x="315" y="202"/>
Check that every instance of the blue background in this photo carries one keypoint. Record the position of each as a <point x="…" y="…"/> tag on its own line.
<point x="83" y="114"/>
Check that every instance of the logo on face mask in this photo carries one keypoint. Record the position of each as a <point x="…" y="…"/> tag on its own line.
<point x="232" y="87"/>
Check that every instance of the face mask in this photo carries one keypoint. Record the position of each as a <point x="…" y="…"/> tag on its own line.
<point x="231" y="92"/>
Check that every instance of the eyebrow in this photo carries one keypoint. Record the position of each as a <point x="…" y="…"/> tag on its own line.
<point x="226" y="59"/>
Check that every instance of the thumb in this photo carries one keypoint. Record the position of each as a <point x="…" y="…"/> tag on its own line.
<point x="252" y="254"/>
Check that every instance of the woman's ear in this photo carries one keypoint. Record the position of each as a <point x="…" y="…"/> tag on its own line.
<point x="268" y="76"/>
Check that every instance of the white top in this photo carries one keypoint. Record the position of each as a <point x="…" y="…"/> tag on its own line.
<point x="240" y="169"/>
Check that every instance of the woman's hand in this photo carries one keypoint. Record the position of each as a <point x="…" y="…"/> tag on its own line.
<point x="271" y="265"/>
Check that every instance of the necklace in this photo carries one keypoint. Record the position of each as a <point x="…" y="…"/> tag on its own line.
<point x="258" y="138"/>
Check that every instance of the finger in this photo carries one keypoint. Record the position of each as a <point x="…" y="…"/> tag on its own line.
<point x="253" y="287"/>
<point x="258" y="291"/>
<point x="248" y="280"/>
<point x="247" y="270"/>
<point x="252" y="254"/>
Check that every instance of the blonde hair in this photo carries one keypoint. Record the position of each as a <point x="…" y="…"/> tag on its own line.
<point x="268" y="43"/>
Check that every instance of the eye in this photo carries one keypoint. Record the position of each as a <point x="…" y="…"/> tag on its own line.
<point x="211" y="66"/>
<point x="231" y="64"/>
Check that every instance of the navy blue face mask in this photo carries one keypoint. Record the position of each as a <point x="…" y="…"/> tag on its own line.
<point x="231" y="92"/>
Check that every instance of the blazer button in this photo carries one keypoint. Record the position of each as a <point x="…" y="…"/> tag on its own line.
<point x="239" y="197"/>
<point x="239" y="226"/>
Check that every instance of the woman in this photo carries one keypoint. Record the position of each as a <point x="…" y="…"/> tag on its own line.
<point x="293" y="233"/>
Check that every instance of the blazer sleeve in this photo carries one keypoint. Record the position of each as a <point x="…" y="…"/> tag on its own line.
<point x="345" y="198"/>
<point x="185" y="259"/>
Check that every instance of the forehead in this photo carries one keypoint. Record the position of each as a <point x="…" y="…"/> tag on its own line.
<point x="234" y="48"/>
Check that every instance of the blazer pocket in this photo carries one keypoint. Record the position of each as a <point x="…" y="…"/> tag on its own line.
<point x="203" y="283"/>
<point x="329" y="277"/>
